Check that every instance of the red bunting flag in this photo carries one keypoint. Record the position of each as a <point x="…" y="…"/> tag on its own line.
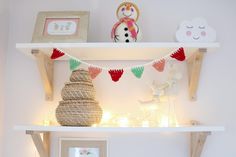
<point x="179" y="54"/>
<point x="116" y="74"/>
<point x="56" y="54"/>
<point x="160" y="65"/>
<point x="94" y="71"/>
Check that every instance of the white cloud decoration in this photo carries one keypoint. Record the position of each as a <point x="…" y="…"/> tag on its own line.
<point x="196" y="30"/>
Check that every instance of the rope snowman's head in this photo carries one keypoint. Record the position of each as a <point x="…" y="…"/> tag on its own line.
<point x="127" y="10"/>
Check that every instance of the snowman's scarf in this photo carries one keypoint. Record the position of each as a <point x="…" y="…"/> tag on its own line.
<point x="130" y="24"/>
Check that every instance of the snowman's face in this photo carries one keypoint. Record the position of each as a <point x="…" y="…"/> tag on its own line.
<point x="129" y="10"/>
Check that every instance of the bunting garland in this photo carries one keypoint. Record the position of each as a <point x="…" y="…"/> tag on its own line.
<point x="138" y="71"/>
<point x="179" y="54"/>
<point x="74" y="64"/>
<point x="56" y="54"/>
<point x="116" y="74"/>
<point x="94" y="71"/>
<point x="159" y="65"/>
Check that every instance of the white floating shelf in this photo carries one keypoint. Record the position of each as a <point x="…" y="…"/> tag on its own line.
<point x="115" y="51"/>
<point x="198" y="134"/>
<point x="198" y="128"/>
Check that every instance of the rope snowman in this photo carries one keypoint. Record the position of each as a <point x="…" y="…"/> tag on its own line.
<point x="126" y="29"/>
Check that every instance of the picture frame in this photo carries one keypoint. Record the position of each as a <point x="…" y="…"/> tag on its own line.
<point x="61" y="26"/>
<point x="83" y="147"/>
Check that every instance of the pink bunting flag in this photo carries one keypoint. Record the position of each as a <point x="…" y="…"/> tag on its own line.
<point x="94" y="72"/>
<point x="179" y="54"/>
<point x="160" y="65"/>
<point x="116" y="74"/>
<point x="56" y="54"/>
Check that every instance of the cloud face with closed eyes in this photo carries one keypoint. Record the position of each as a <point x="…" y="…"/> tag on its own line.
<point x="196" y="30"/>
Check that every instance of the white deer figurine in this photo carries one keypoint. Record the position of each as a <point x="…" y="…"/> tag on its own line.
<point x="160" y="89"/>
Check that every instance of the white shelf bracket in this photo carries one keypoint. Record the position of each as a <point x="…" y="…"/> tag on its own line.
<point x="42" y="144"/>
<point x="194" y="70"/>
<point x="45" y="66"/>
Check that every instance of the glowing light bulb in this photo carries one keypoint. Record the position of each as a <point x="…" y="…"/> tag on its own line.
<point x="153" y="107"/>
<point x="46" y="122"/>
<point x="164" y="121"/>
<point x="173" y="121"/>
<point x="94" y="125"/>
<point x="106" y="117"/>
<point x="123" y="122"/>
<point x="145" y="123"/>
<point x="163" y="98"/>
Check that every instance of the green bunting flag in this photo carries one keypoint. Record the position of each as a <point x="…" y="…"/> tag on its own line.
<point x="74" y="64"/>
<point x="138" y="71"/>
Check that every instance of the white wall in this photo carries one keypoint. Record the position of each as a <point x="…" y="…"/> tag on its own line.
<point x="159" y="19"/>
<point x="3" y="50"/>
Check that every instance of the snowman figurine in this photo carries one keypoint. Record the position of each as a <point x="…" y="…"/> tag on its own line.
<point x="126" y="30"/>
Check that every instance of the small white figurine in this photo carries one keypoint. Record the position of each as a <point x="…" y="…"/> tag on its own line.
<point x="196" y="30"/>
<point x="126" y="30"/>
<point x="159" y="90"/>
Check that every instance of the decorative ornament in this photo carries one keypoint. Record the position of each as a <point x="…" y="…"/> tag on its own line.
<point x="126" y="29"/>
<point x="196" y="30"/>
<point x="74" y="64"/>
<point x="79" y="107"/>
<point x="116" y="74"/>
<point x="56" y="54"/>
<point x="179" y="54"/>
<point x="163" y="89"/>
<point x="159" y="65"/>
<point x="94" y="71"/>
<point x="138" y="71"/>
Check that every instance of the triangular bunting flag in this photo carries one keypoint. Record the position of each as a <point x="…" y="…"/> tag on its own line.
<point x="116" y="74"/>
<point x="74" y="64"/>
<point x="179" y="54"/>
<point x="159" y="65"/>
<point x="56" y="54"/>
<point x="138" y="71"/>
<point x="94" y="71"/>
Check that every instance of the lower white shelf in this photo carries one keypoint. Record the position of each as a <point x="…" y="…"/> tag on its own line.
<point x="198" y="134"/>
<point x="197" y="128"/>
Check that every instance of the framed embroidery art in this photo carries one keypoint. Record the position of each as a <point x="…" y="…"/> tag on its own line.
<point x="79" y="147"/>
<point x="66" y="26"/>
